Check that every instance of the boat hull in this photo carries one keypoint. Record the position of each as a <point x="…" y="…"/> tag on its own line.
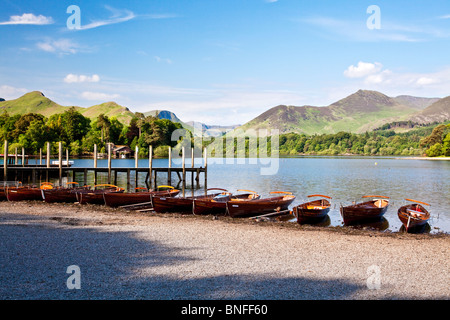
<point x="23" y="193"/>
<point x="363" y="212"/>
<point x="94" y="197"/>
<point x="312" y="212"/>
<point x="59" y="195"/>
<point x="211" y="206"/>
<point x="113" y="199"/>
<point x="242" y="209"/>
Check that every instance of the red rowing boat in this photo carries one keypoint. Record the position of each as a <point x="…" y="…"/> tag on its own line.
<point x="238" y="208"/>
<point x="365" y="211"/>
<point x="218" y="204"/>
<point x="312" y="211"/>
<point x="95" y="195"/>
<point x="413" y="216"/>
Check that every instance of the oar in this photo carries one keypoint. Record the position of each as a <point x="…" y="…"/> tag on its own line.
<point x="319" y="195"/>
<point x="418" y="202"/>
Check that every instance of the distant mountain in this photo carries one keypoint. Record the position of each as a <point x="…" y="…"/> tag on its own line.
<point x="437" y="112"/>
<point x="164" y="114"/>
<point x="362" y="111"/>
<point x="416" y="102"/>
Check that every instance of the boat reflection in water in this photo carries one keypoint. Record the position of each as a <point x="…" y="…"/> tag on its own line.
<point x="379" y="224"/>
<point x="424" y="228"/>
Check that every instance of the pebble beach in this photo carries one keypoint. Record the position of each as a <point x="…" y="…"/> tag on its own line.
<point x="131" y="256"/>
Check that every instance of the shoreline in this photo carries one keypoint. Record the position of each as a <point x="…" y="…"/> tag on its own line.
<point x="130" y="255"/>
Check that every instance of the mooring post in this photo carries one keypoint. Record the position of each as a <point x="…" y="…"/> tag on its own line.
<point x="40" y="156"/>
<point x="206" y="170"/>
<point x="23" y="157"/>
<point x="60" y="162"/>
<point x="95" y="164"/>
<point x="109" y="163"/>
<point x="192" y="171"/>
<point x="136" y="161"/>
<point x="15" y="156"/>
<point x="184" y="171"/>
<point x="47" y="159"/>
<point x="5" y="162"/>
<point x="150" y="166"/>
<point x="169" y="171"/>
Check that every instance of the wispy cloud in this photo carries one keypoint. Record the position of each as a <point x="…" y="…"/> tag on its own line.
<point x="73" y="78"/>
<point x="8" y="92"/>
<point x="61" y="46"/>
<point x="390" y="31"/>
<point x="165" y="60"/>
<point x="117" y="16"/>
<point x="99" y="96"/>
<point x="28" y="18"/>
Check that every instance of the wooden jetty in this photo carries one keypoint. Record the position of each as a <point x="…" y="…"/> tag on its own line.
<point x="17" y="167"/>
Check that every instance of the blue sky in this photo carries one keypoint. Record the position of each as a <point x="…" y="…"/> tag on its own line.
<point x="222" y="61"/>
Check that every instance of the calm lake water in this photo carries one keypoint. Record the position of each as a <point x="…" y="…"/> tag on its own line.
<point x="346" y="179"/>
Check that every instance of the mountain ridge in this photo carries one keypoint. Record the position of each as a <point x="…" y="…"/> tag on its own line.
<point x="361" y="111"/>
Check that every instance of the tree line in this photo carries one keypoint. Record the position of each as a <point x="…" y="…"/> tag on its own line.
<point x="431" y="141"/>
<point x="78" y="133"/>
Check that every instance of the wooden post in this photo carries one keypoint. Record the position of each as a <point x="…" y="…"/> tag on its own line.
<point x="40" y="156"/>
<point x="23" y="157"/>
<point x="60" y="162"/>
<point x="136" y="157"/>
<point x="169" y="171"/>
<point x="67" y="157"/>
<point x="109" y="163"/>
<point x="184" y="171"/>
<point x="5" y="162"/>
<point x="47" y="160"/>
<point x="95" y="155"/>
<point x="95" y="164"/>
<point x="16" y="160"/>
<point x="192" y="172"/>
<point x="206" y="171"/>
<point x="136" y="164"/>
<point x="150" y="166"/>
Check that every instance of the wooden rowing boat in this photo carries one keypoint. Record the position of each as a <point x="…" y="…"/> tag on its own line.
<point x="95" y="195"/>
<point x="218" y="204"/>
<point x="60" y="194"/>
<point x="312" y="211"/>
<point x="413" y="216"/>
<point x="23" y="193"/>
<point x="240" y="209"/>
<point x="115" y="199"/>
<point x="180" y="204"/>
<point x="365" y="211"/>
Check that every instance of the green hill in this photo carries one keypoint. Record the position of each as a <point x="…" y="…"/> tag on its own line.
<point x="32" y="102"/>
<point x="36" y="102"/>
<point x="110" y="109"/>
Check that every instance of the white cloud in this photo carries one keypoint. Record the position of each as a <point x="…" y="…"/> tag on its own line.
<point x="389" y="82"/>
<point x="60" y="46"/>
<point x="73" y="78"/>
<point x="28" y="18"/>
<point x="99" y="96"/>
<point x="9" y="92"/>
<point x="363" y="69"/>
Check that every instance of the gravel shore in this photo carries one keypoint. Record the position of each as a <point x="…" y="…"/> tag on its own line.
<point x="129" y="255"/>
